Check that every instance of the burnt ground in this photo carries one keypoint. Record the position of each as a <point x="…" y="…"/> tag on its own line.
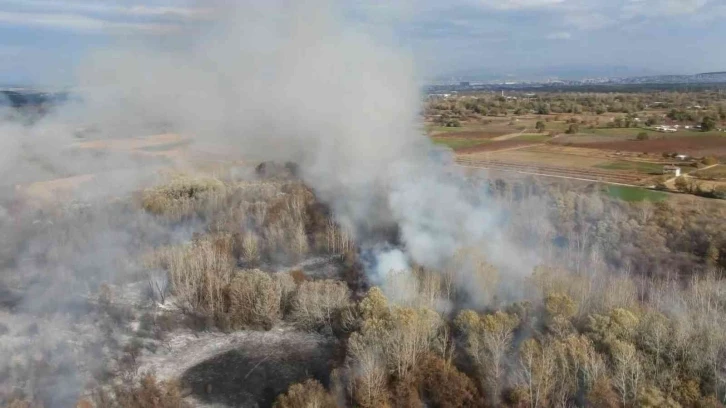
<point x="255" y="373"/>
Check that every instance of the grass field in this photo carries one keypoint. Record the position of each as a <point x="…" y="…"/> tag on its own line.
<point x="532" y="137"/>
<point x="714" y="173"/>
<point x="638" y="167"/>
<point x="456" y="143"/>
<point x="633" y="194"/>
<point x="618" y="132"/>
<point x="633" y="132"/>
<point x="453" y="129"/>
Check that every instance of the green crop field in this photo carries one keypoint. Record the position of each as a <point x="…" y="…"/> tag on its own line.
<point x="633" y="194"/>
<point x="618" y="132"/>
<point x="714" y="173"/>
<point x="533" y="137"/>
<point x="638" y="167"/>
<point x="456" y="143"/>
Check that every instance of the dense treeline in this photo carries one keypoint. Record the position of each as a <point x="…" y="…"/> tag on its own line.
<point x="625" y="307"/>
<point x="682" y="106"/>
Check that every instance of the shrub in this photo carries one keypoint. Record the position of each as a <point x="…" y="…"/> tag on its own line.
<point x="316" y="303"/>
<point x="643" y="136"/>
<point x="309" y="394"/>
<point x="710" y="160"/>
<point x="458" y="391"/>
<point x="257" y="299"/>
<point x="558" y="304"/>
<point x="682" y="184"/>
<point x="719" y="192"/>
<point x="22" y="403"/>
<point x="603" y="395"/>
<point x="572" y="129"/>
<point x="198" y="272"/>
<point x="250" y="247"/>
<point x="184" y="197"/>
<point x="147" y="393"/>
<point x="653" y="397"/>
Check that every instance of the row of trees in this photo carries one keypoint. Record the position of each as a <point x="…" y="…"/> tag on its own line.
<point x="627" y="307"/>
<point x="549" y="350"/>
<point x="691" y="107"/>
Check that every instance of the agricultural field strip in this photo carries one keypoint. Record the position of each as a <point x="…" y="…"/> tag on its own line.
<point x="691" y="174"/>
<point x="594" y="153"/>
<point x="582" y="174"/>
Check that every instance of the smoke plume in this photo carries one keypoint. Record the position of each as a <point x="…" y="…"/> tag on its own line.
<point x="293" y="82"/>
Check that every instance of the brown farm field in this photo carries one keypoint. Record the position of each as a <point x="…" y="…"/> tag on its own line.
<point x="697" y="146"/>
<point x="597" y="152"/>
<point x="567" y="162"/>
<point x="712" y="173"/>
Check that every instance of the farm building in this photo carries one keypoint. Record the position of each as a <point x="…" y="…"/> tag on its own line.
<point x="669" y="169"/>
<point x="664" y="128"/>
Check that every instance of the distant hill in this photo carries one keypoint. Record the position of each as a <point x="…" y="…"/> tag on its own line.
<point x="564" y="72"/>
<point x="645" y="80"/>
<point x="19" y="98"/>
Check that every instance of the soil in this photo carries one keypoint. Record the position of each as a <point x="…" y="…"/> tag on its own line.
<point x="473" y="134"/>
<point x="494" y="146"/>
<point x="691" y="145"/>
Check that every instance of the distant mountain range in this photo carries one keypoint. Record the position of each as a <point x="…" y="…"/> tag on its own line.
<point x="577" y="74"/>
<point x="649" y="81"/>
<point x="20" y="97"/>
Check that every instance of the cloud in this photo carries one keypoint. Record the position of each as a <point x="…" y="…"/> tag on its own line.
<point x="80" y="23"/>
<point x="519" y="4"/>
<point x="636" y="8"/>
<point x="562" y="35"/>
<point x="144" y="10"/>
<point x="588" y="21"/>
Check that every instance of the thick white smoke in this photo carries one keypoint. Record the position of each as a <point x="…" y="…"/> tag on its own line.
<point x="292" y="82"/>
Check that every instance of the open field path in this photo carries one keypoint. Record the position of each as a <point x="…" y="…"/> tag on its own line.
<point x="613" y="178"/>
<point x="688" y="175"/>
<point x="510" y="136"/>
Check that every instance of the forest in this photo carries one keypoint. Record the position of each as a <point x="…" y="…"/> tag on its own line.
<point x="682" y="106"/>
<point x="625" y="306"/>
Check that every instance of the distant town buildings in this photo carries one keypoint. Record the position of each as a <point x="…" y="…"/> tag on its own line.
<point x="666" y="128"/>
<point x="671" y="169"/>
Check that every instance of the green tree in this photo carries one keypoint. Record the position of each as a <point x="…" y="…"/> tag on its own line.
<point x="710" y="160"/>
<point x="540" y="126"/>
<point x="652" y="121"/>
<point x="708" y="124"/>
<point x="682" y="184"/>
<point x="574" y="128"/>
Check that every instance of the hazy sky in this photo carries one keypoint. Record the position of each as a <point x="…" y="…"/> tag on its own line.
<point x="44" y="40"/>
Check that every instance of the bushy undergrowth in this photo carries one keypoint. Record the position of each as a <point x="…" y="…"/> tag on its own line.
<point x="267" y="219"/>
<point x="667" y="348"/>
<point x="613" y="317"/>
<point x="148" y="392"/>
<point x="576" y="336"/>
<point x="309" y="394"/>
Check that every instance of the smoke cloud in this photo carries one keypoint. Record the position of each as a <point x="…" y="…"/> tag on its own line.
<point x="294" y="83"/>
<point x="270" y="80"/>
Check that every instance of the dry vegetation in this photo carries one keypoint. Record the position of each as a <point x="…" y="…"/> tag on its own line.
<point x="627" y="307"/>
<point x="621" y="127"/>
